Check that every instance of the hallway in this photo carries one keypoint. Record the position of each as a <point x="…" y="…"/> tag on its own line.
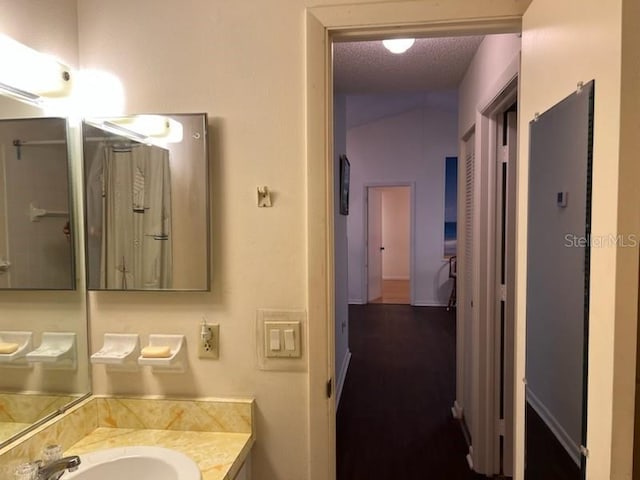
<point x="394" y="418"/>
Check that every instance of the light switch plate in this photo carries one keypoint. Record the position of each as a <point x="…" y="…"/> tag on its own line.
<point x="289" y="361"/>
<point x="277" y="345"/>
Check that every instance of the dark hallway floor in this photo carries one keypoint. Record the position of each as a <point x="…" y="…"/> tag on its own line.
<point x="546" y="458"/>
<point x="394" y="420"/>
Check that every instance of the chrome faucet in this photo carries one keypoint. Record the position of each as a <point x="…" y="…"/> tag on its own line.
<point x="54" y="470"/>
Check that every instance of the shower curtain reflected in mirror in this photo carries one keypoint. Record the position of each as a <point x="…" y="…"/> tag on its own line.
<point x="129" y="217"/>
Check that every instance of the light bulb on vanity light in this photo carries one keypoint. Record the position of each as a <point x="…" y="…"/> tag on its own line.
<point x="398" y="45"/>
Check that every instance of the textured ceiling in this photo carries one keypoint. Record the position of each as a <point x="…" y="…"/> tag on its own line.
<point x="430" y="64"/>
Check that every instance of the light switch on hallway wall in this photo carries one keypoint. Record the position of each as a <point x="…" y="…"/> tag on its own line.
<point x="280" y="340"/>
<point x="279" y="333"/>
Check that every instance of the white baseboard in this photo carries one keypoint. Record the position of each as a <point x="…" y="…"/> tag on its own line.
<point x="456" y="410"/>
<point x="554" y="425"/>
<point x="429" y="304"/>
<point x="342" y="375"/>
<point x="469" y="461"/>
<point x="359" y="301"/>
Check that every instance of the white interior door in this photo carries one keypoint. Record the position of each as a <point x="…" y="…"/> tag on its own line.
<point x="374" y="243"/>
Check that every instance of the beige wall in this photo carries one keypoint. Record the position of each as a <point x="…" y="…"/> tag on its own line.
<point x="564" y="43"/>
<point x="242" y="63"/>
<point x="36" y="24"/>
<point x="497" y="56"/>
<point x="626" y="333"/>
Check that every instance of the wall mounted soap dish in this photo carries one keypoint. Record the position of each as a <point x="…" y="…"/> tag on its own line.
<point x="15" y="357"/>
<point x="56" y="352"/>
<point x="175" y="362"/>
<point x="119" y="351"/>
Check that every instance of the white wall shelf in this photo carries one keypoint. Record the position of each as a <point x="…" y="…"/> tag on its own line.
<point x="17" y="358"/>
<point x="119" y="351"/>
<point x="56" y="352"/>
<point x="175" y="362"/>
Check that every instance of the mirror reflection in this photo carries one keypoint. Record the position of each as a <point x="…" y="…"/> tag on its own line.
<point x="558" y="250"/>
<point x="146" y="197"/>
<point x="37" y="180"/>
<point x="36" y="247"/>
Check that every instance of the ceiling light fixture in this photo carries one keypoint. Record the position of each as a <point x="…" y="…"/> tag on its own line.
<point x="398" y="45"/>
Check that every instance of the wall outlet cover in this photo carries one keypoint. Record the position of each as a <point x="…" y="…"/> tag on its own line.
<point x="209" y="349"/>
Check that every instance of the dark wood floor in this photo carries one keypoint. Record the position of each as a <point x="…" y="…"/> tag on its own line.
<point x="394" y="420"/>
<point x="546" y="458"/>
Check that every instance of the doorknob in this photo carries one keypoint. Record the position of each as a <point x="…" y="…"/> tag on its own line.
<point x="381" y="248"/>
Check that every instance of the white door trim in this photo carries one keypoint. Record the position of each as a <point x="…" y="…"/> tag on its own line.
<point x="323" y="25"/>
<point x="484" y="428"/>
<point x="495" y="112"/>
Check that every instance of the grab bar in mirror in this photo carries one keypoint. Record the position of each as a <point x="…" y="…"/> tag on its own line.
<point x="36" y="213"/>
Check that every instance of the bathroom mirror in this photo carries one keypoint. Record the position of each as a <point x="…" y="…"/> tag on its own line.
<point x="39" y="178"/>
<point x="146" y="202"/>
<point x="36" y="245"/>
<point x="558" y="252"/>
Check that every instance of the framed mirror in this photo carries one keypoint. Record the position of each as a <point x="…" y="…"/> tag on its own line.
<point x="36" y="245"/>
<point x="42" y="289"/>
<point x="146" y="197"/>
<point x="558" y="263"/>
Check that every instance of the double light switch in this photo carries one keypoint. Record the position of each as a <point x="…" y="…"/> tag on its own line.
<point x="282" y="339"/>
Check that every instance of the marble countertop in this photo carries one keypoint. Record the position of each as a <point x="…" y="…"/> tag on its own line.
<point x="8" y="429"/>
<point x="219" y="455"/>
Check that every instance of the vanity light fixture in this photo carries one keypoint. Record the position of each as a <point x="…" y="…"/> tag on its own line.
<point x="157" y="127"/>
<point x="398" y="45"/>
<point x="29" y="75"/>
<point x="150" y="129"/>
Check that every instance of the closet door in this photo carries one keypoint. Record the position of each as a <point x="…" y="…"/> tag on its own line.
<point x="468" y="272"/>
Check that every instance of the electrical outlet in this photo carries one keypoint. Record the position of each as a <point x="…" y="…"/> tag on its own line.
<point x="209" y="348"/>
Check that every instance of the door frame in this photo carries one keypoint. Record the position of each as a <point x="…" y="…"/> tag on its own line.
<point x="324" y="25"/>
<point x="484" y="427"/>
<point x="412" y="230"/>
<point x="494" y="111"/>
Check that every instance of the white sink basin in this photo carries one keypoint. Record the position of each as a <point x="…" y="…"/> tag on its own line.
<point x="135" y="463"/>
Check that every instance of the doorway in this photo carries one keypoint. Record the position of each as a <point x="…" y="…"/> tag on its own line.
<point x="395" y="136"/>
<point x="324" y="25"/>
<point x="480" y="400"/>
<point x="389" y="244"/>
